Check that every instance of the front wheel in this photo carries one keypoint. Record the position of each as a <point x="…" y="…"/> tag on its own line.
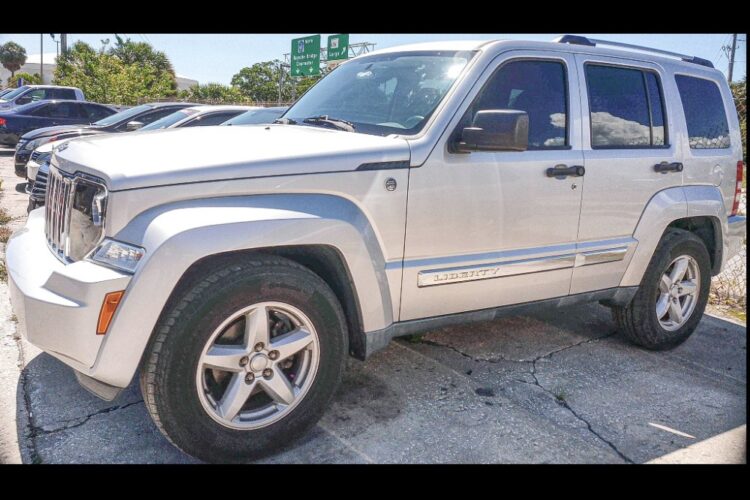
<point x="672" y="296"/>
<point x="245" y="360"/>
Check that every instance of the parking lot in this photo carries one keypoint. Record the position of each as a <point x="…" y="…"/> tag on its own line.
<point x="558" y="386"/>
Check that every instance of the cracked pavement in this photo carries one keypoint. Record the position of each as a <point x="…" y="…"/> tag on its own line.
<point x="556" y="386"/>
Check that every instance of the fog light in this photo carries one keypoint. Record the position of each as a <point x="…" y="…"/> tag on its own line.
<point x="109" y="306"/>
<point x="119" y="255"/>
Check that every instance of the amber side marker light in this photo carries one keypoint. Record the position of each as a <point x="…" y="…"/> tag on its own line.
<point x="109" y="306"/>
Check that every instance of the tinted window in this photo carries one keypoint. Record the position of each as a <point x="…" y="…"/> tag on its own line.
<point x="35" y="110"/>
<point x="61" y="94"/>
<point x="626" y="107"/>
<point x="537" y="87"/>
<point x="125" y="115"/>
<point x="169" y="120"/>
<point x="214" y="119"/>
<point x="65" y="110"/>
<point x="37" y="94"/>
<point x="704" y="113"/>
<point x="154" y="115"/>
<point x="96" y="112"/>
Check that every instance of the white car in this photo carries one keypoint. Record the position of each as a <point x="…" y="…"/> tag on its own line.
<point x="234" y="269"/>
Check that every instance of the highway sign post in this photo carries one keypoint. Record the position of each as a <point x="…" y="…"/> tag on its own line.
<point x="305" y="56"/>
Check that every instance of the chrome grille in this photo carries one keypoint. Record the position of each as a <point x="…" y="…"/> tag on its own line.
<point x="60" y="188"/>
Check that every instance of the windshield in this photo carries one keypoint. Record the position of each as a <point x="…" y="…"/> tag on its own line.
<point x="15" y="93"/>
<point x="384" y="94"/>
<point x="123" y="115"/>
<point x="256" y="117"/>
<point x="169" y="120"/>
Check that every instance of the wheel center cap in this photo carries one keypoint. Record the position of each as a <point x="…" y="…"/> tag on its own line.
<point x="259" y="362"/>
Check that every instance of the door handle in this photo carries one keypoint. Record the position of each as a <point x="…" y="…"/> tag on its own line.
<point x="563" y="171"/>
<point x="665" y="167"/>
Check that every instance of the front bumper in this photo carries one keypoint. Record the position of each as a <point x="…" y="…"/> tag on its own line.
<point x="32" y="168"/>
<point x="57" y="304"/>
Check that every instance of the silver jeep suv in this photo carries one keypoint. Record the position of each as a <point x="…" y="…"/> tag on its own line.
<point x="412" y="188"/>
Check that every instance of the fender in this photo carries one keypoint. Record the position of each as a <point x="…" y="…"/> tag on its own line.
<point x="666" y="207"/>
<point x="177" y="235"/>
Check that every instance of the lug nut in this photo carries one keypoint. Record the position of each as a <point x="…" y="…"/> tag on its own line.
<point x="244" y="361"/>
<point x="273" y="355"/>
<point x="268" y="373"/>
<point x="249" y="378"/>
<point x="259" y="347"/>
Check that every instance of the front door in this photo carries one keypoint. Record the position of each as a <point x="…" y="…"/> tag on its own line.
<point x="488" y="229"/>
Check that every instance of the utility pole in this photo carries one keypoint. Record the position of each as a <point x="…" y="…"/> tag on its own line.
<point x="41" y="57"/>
<point x="63" y="43"/>
<point x="731" y="57"/>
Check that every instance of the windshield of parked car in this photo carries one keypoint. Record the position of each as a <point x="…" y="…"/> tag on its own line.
<point x="15" y="93"/>
<point x="256" y="117"/>
<point x="382" y="94"/>
<point x="169" y="120"/>
<point x="122" y="116"/>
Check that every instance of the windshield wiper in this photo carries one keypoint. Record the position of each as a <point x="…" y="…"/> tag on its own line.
<point x="326" y="120"/>
<point x="285" y="121"/>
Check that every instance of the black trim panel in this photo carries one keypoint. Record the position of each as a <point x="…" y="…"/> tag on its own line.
<point x="384" y="165"/>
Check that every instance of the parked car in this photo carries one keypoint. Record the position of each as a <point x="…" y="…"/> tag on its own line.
<point x="198" y="116"/>
<point x="125" y="121"/>
<point x="26" y="94"/>
<point x="410" y="189"/>
<point x="258" y="116"/>
<point x="18" y="121"/>
<point x="37" y="188"/>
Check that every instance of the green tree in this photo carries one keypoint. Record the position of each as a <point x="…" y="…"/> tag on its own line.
<point x="260" y="82"/>
<point x="135" y="53"/>
<point x="28" y="79"/>
<point x="739" y="91"/>
<point x="213" y="92"/>
<point x="104" y="77"/>
<point x="12" y="57"/>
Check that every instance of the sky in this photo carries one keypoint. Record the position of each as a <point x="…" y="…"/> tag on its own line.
<point x="217" y="57"/>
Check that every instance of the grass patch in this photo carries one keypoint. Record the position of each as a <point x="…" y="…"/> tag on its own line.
<point x="4" y="217"/>
<point x="5" y="233"/>
<point x="560" y="395"/>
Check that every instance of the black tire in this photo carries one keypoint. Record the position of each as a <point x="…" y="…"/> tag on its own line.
<point x="638" y="320"/>
<point x="168" y="374"/>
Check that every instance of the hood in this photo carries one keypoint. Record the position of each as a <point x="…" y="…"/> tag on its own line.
<point x="199" y="154"/>
<point x="58" y="130"/>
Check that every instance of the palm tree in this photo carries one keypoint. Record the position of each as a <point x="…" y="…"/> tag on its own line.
<point x="12" y="57"/>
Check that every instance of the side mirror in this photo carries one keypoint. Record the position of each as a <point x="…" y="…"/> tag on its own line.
<point x="496" y="130"/>
<point x="134" y="125"/>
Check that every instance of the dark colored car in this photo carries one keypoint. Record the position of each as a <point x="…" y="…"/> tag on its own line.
<point x="39" y="190"/>
<point x="124" y="121"/>
<point x="257" y="116"/>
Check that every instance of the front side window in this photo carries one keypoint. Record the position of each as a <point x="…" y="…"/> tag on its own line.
<point x="383" y="94"/>
<point x="704" y="113"/>
<point x="626" y="108"/>
<point x="169" y="120"/>
<point x="214" y="119"/>
<point x="537" y="87"/>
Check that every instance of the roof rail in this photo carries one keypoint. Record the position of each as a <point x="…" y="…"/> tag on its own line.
<point x="593" y="42"/>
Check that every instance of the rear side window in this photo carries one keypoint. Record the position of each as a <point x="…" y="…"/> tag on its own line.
<point x="96" y="113"/>
<point x="64" y="110"/>
<point x="68" y="94"/>
<point x="704" y="113"/>
<point x="537" y="87"/>
<point x="626" y="108"/>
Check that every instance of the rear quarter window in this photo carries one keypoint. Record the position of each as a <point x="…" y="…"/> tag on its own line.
<point x="705" y="116"/>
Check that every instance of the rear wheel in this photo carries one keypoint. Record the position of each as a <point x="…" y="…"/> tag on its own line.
<point x="245" y="360"/>
<point x="672" y="296"/>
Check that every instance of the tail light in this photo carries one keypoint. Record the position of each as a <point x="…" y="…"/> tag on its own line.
<point x="738" y="188"/>
<point x="2" y="122"/>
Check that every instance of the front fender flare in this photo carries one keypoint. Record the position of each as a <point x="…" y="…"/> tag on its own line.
<point x="177" y="235"/>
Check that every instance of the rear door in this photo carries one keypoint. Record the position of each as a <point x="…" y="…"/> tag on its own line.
<point x="627" y="132"/>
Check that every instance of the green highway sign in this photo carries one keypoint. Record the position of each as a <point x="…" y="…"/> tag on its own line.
<point x="305" y="56"/>
<point x="338" y="47"/>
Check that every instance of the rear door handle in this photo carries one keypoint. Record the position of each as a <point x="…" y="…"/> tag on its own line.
<point x="563" y="171"/>
<point x="665" y="167"/>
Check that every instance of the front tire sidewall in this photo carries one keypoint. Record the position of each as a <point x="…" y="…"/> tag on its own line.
<point x="187" y="422"/>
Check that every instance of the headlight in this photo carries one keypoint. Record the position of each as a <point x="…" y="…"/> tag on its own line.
<point x="86" y="216"/>
<point x="119" y="255"/>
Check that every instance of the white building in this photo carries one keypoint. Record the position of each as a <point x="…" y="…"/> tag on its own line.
<point x="33" y="65"/>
